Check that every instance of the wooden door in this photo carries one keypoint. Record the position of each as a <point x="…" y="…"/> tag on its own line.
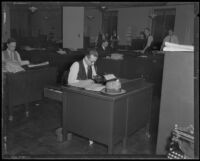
<point x="73" y="27"/>
<point x="164" y="21"/>
<point x="109" y="21"/>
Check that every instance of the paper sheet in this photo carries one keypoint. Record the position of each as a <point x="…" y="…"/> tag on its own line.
<point x="88" y="85"/>
<point x="95" y="87"/>
<point x="37" y="65"/>
<point x="177" y="47"/>
<point x="109" y="76"/>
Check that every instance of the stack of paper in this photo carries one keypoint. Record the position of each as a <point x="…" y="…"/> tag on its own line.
<point x="116" y="56"/>
<point x="82" y="83"/>
<point x="109" y="76"/>
<point x="61" y="52"/>
<point x="176" y="47"/>
<point x="88" y="85"/>
<point x="95" y="87"/>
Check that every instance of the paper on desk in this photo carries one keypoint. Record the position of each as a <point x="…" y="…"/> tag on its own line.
<point x="88" y="85"/>
<point x="82" y="83"/>
<point x="25" y="62"/>
<point x="109" y="76"/>
<point x="95" y="87"/>
<point x="37" y="65"/>
<point x="177" y="47"/>
<point x="55" y="90"/>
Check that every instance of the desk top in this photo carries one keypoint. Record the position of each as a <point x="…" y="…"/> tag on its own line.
<point x="131" y="86"/>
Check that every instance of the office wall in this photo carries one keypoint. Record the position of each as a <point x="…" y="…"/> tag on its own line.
<point x="92" y="27"/>
<point x="47" y="20"/>
<point x="137" y="19"/>
<point x="19" y="21"/>
<point x="184" y="24"/>
<point x="5" y="22"/>
<point x="134" y="17"/>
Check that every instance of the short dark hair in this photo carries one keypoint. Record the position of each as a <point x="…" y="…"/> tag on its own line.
<point x="10" y="40"/>
<point x="93" y="52"/>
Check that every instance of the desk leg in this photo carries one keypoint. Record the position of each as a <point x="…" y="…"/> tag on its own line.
<point x="65" y="134"/>
<point x="147" y="133"/>
<point x="124" y="143"/>
<point x="27" y="109"/>
<point x="110" y="148"/>
<point x="10" y="111"/>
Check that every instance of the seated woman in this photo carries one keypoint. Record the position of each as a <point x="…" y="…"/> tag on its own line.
<point x="149" y="41"/>
<point x="11" y="59"/>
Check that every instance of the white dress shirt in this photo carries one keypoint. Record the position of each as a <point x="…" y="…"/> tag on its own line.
<point x="74" y="69"/>
<point x="172" y="39"/>
<point x="12" y="58"/>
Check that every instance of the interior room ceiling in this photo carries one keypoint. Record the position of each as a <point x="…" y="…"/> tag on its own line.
<point x="88" y="4"/>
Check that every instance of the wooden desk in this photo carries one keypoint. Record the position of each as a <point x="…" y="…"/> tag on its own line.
<point x="107" y="119"/>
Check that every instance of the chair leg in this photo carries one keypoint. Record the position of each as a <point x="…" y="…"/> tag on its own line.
<point x="27" y="109"/>
<point x="10" y="111"/>
<point x="147" y="131"/>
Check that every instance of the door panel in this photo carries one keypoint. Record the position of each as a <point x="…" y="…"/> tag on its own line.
<point x="73" y="27"/>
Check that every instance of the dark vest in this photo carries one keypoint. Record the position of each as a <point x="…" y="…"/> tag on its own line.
<point x="99" y="41"/>
<point x="149" y="49"/>
<point x="82" y="74"/>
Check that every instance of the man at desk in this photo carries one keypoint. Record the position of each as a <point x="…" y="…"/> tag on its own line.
<point x="11" y="60"/>
<point x="84" y="69"/>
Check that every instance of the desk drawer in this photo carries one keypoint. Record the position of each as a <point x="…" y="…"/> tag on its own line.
<point x="53" y="94"/>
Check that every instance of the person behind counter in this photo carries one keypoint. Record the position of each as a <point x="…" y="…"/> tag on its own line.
<point x="99" y="40"/>
<point x="149" y="41"/>
<point x="104" y="49"/>
<point x="114" y="40"/>
<point x="11" y="60"/>
<point x="84" y="69"/>
<point x="170" y="38"/>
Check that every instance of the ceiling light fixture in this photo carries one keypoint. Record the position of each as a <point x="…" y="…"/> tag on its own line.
<point x="32" y="9"/>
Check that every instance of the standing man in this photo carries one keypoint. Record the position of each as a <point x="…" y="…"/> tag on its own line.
<point x="149" y="41"/>
<point x="114" y="40"/>
<point x="84" y="69"/>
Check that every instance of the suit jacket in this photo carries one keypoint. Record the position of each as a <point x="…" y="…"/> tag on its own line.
<point x="102" y="52"/>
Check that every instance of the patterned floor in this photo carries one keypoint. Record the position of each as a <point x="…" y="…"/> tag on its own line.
<point x="34" y="137"/>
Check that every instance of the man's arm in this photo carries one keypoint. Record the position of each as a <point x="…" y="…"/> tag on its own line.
<point x="93" y="71"/>
<point x="149" y="41"/>
<point x="163" y="43"/>
<point x="22" y="62"/>
<point x="72" y="78"/>
<point x="176" y="40"/>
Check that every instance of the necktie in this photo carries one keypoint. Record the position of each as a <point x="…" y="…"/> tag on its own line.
<point x="89" y="72"/>
<point x="12" y="56"/>
<point x="170" y="39"/>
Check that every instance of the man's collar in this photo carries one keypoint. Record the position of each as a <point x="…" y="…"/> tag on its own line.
<point x="9" y="50"/>
<point x="84" y="62"/>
